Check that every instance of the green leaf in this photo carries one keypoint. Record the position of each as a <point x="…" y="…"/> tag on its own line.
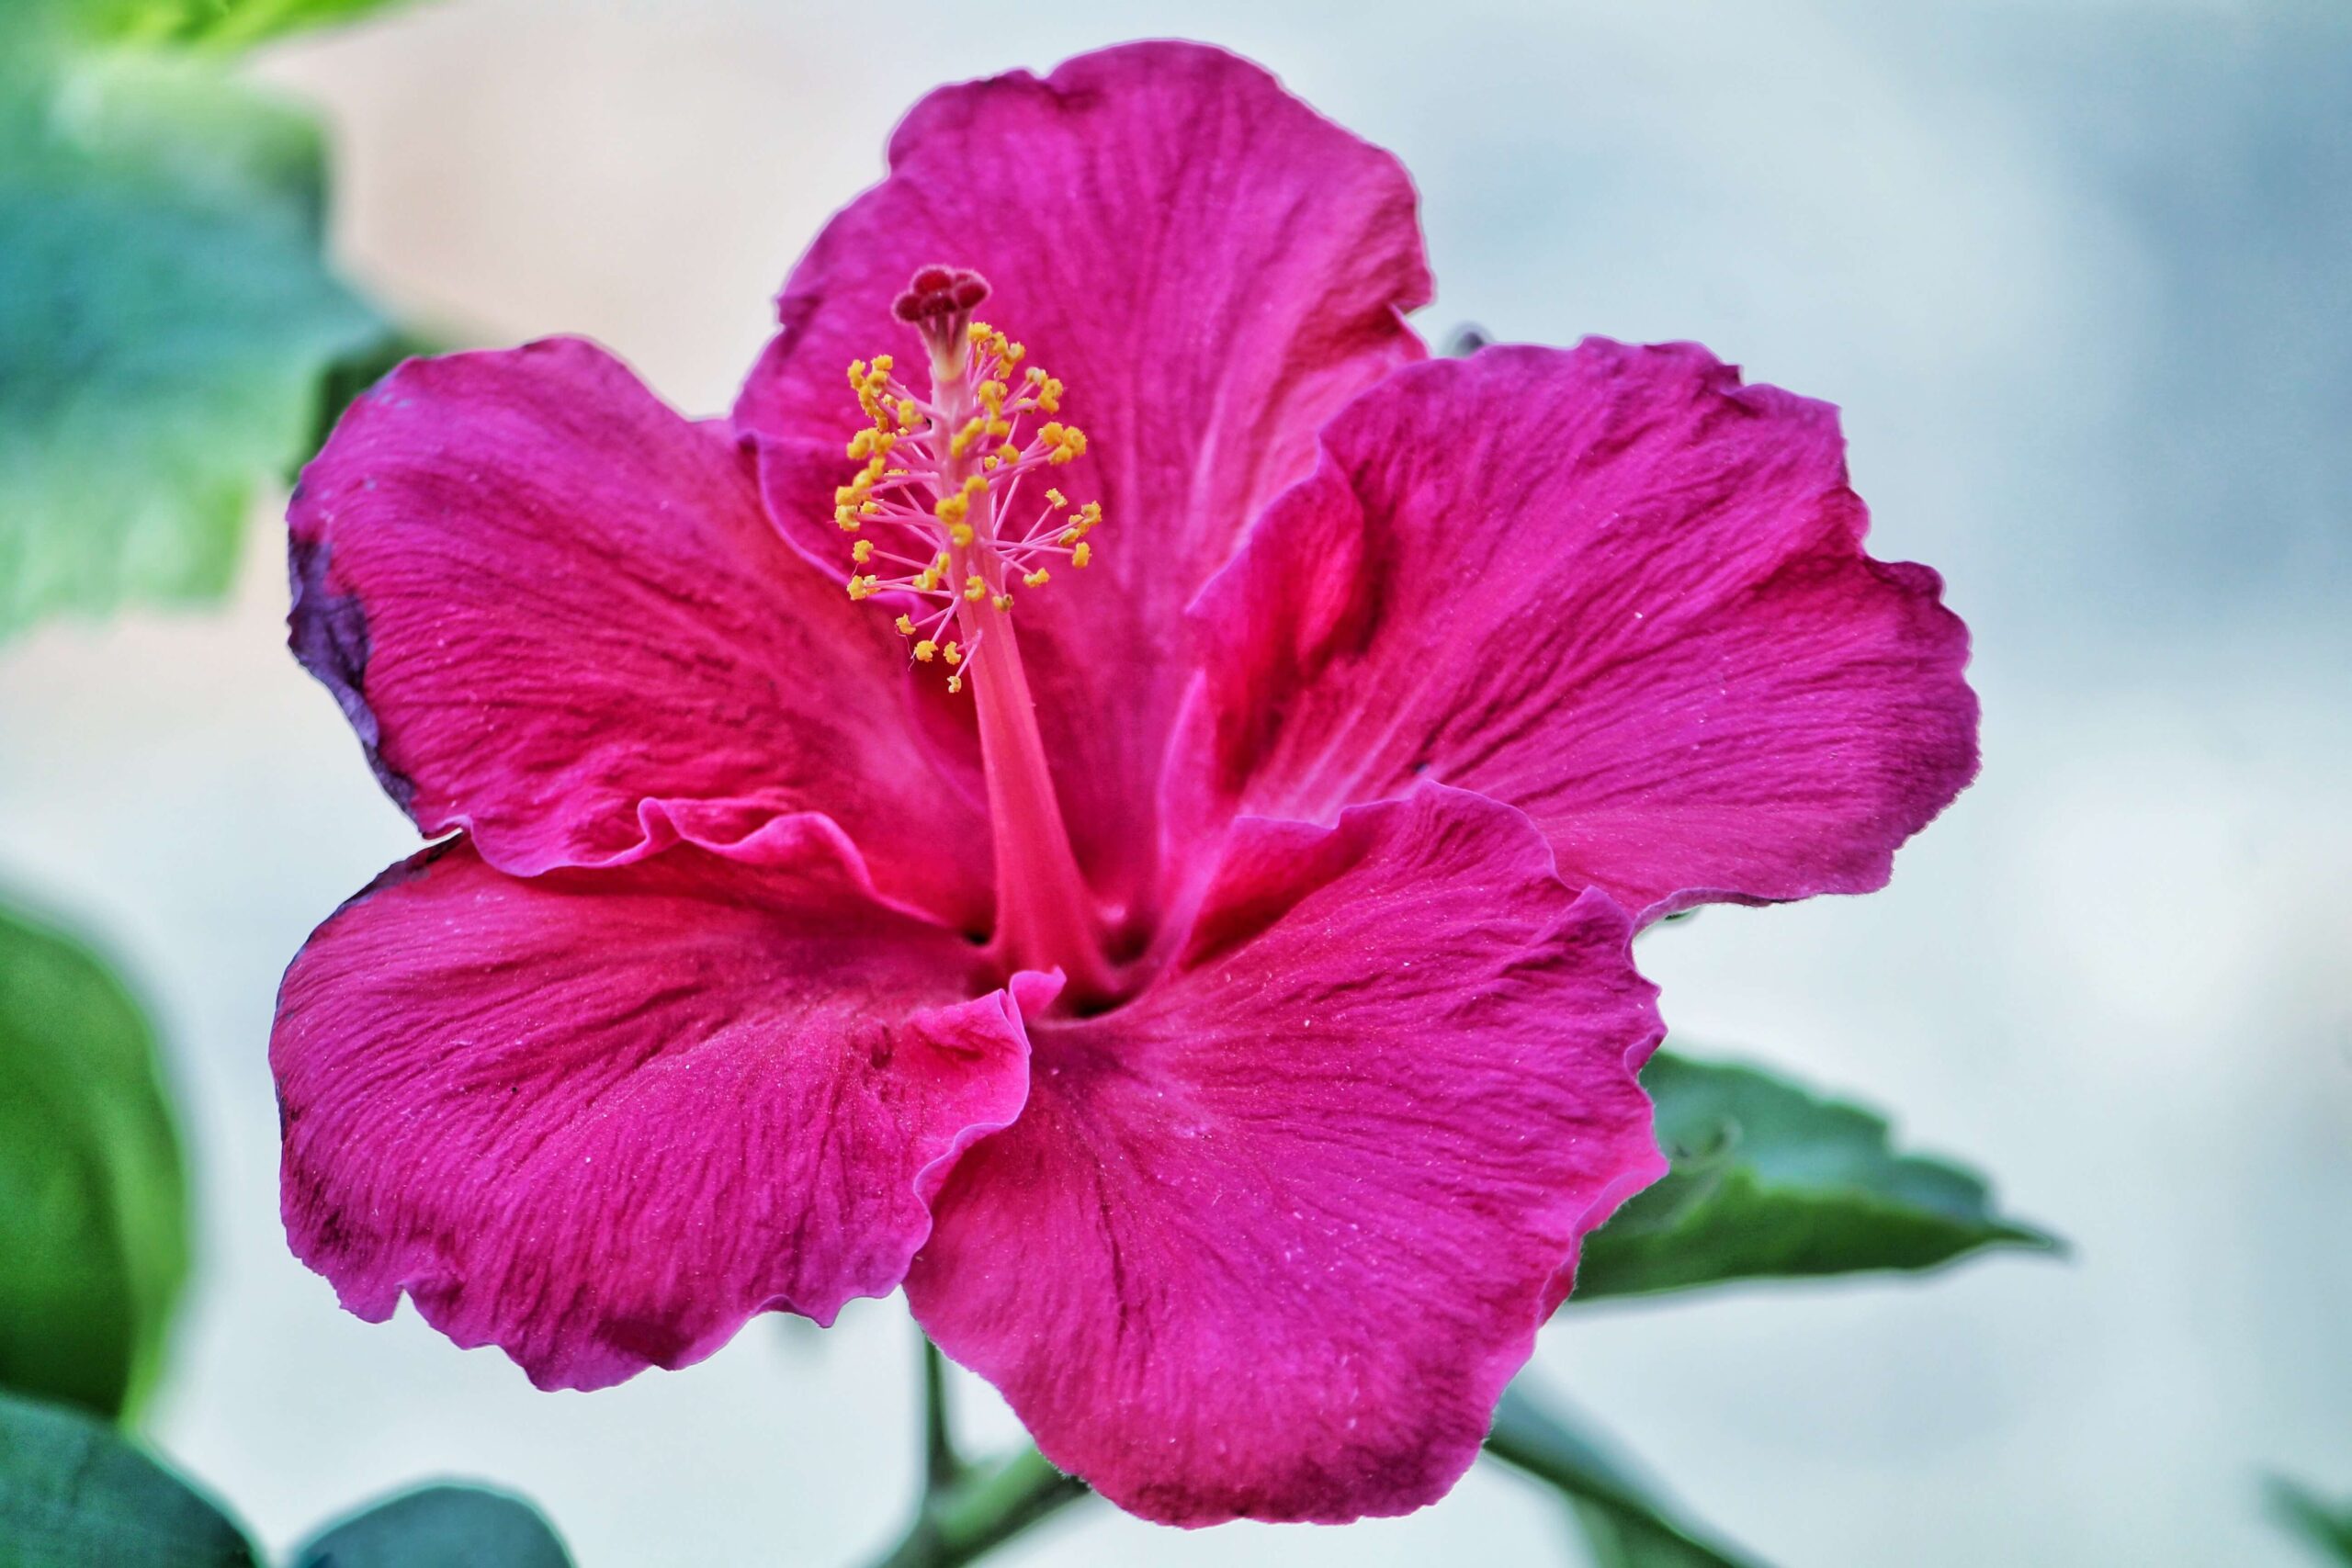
<point x="165" y="323"/>
<point x="93" y="1200"/>
<point x="195" y="24"/>
<point x="1770" y="1181"/>
<point x="440" y="1527"/>
<point x="2325" y="1527"/>
<point x="75" y="1494"/>
<point x="1624" y="1522"/>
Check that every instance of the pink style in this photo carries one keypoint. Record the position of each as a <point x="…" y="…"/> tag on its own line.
<point x="1211" y="1002"/>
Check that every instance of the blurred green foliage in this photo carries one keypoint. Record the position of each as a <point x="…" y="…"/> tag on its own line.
<point x="75" y="1494"/>
<point x="1771" y="1181"/>
<point x="168" y="319"/>
<point x="93" y="1199"/>
<point x="2325" y="1527"/>
<point x="440" y="1527"/>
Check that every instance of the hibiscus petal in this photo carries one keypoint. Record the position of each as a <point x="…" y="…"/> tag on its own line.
<point x="1269" y="1240"/>
<point x="1614" y="588"/>
<point x="600" y="1118"/>
<point x="1213" y="269"/>
<point x="557" y="616"/>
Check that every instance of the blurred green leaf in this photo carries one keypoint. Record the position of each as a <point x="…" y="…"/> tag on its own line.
<point x="75" y="1494"/>
<point x="190" y="24"/>
<point x="1624" y="1522"/>
<point x="1770" y="1181"/>
<point x="166" y="320"/>
<point x="440" y="1527"/>
<point x="93" y="1201"/>
<point x="2325" y="1527"/>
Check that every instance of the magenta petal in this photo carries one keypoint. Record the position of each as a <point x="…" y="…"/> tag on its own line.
<point x="1213" y="269"/>
<point x="600" y="1118"/>
<point x="1270" y="1239"/>
<point x="557" y="616"/>
<point x="1614" y="588"/>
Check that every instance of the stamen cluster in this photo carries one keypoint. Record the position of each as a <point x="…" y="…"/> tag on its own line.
<point x="942" y="473"/>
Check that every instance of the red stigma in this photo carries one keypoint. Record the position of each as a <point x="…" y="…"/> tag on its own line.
<point x="939" y="291"/>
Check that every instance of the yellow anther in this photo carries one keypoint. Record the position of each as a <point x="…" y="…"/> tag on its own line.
<point x="992" y="462"/>
<point x="926" y="650"/>
<point x="954" y="652"/>
<point x="1008" y="453"/>
<point x="991" y="396"/>
<point x="1003" y="602"/>
<point x="906" y="412"/>
<point x="862" y="552"/>
<point x="976" y="588"/>
<point x="1037" y="579"/>
<point x="871" y="442"/>
<point x="979" y="331"/>
<point x="964" y="438"/>
<point x="998" y="429"/>
<point x="862" y="587"/>
<point x="975" y="486"/>
<point x="1067" y="442"/>
<point x="882" y="363"/>
<point x="906" y="626"/>
<point x="1055" y="500"/>
<point x="951" y="509"/>
<point x="847" y="517"/>
<point x="1080" y="556"/>
<point x="955" y="682"/>
<point x="1013" y="354"/>
<point x="961" y="533"/>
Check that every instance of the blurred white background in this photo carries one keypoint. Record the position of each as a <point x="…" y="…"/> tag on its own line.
<point x="2080" y="273"/>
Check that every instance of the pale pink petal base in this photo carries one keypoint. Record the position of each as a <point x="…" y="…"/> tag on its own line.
<point x="1270" y="1239"/>
<point x="1613" y="587"/>
<point x="600" y="1118"/>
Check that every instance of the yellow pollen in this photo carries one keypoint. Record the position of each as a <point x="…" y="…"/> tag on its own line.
<point x="993" y="390"/>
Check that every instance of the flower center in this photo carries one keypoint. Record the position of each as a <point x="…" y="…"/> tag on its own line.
<point x="944" y="529"/>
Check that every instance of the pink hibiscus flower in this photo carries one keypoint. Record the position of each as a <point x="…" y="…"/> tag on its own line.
<point x="1191" y="960"/>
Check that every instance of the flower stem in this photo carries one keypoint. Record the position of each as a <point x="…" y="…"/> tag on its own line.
<point x="943" y="1467"/>
<point x="991" y="1505"/>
